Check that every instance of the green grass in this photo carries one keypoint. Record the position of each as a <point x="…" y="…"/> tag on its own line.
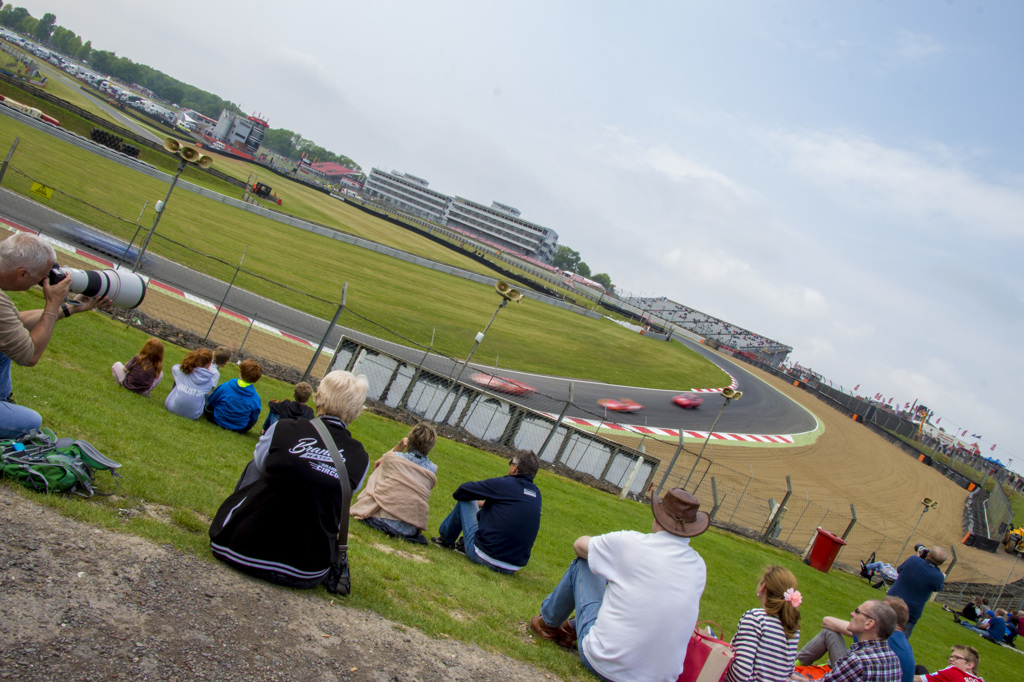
<point x="182" y="470"/>
<point x="408" y="299"/>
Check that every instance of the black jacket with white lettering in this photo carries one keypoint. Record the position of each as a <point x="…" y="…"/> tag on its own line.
<point x="283" y="526"/>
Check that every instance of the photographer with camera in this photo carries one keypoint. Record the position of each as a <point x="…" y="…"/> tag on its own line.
<point x="26" y="260"/>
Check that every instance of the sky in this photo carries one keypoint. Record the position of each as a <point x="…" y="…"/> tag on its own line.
<point x="844" y="177"/>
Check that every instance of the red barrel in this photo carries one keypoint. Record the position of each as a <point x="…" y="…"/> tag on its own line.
<point x="824" y="551"/>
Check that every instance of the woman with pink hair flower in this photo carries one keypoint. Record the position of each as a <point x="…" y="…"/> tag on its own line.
<point x="766" y="638"/>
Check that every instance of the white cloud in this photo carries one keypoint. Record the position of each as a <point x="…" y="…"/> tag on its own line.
<point x="936" y="193"/>
<point x="917" y="47"/>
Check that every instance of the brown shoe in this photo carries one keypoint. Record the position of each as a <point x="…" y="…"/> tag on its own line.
<point x="563" y="635"/>
<point x="567" y="635"/>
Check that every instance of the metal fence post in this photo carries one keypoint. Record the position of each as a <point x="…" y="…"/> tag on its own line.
<point x="778" y="511"/>
<point x="673" y="462"/>
<point x="251" y="323"/>
<point x="7" y="160"/>
<point x="330" y="328"/>
<point x="216" y="313"/>
<point x="740" y="501"/>
<point x="558" y="422"/>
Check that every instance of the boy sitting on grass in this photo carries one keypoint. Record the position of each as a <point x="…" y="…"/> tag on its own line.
<point x="235" y="405"/>
<point x="290" y="409"/>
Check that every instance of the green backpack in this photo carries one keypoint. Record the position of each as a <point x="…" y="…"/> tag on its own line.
<point x="46" y="463"/>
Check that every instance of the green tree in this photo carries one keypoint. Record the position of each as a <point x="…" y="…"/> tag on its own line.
<point x="11" y="17"/>
<point x="583" y="269"/>
<point x="103" y="60"/>
<point x="27" y="26"/>
<point x="172" y="93"/>
<point x="605" y="280"/>
<point x="282" y="141"/>
<point x="44" y="29"/>
<point x="566" y="258"/>
<point x="85" y="52"/>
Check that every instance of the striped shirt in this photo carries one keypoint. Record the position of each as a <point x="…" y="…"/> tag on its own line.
<point x="763" y="653"/>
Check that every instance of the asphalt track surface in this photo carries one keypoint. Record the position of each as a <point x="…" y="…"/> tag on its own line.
<point x="762" y="410"/>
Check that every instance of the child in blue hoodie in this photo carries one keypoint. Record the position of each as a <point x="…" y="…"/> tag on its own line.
<point x="193" y="380"/>
<point x="235" y="405"/>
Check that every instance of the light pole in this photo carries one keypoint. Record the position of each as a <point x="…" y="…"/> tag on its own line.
<point x="188" y="154"/>
<point x="729" y="395"/>
<point x="928" y="503"/>
<point x="507" y="294"/>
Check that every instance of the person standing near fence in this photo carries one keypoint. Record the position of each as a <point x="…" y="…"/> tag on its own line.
<point x="918" y="580"/>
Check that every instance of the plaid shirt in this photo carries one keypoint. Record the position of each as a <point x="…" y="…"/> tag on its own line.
<point x="870" y="661"/>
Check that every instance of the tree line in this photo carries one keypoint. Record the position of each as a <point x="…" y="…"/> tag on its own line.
<point x="46" y="31"/>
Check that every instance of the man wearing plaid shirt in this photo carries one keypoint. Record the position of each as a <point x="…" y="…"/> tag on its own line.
<point x="869" y="659"/>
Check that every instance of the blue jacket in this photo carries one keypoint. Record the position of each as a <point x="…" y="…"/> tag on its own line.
<point x="509" y="519"/>
<point x="234" y="407"/>
<point x="918" y="579"/>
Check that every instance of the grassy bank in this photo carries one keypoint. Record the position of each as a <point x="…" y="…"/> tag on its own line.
<point x="177" y="472"/>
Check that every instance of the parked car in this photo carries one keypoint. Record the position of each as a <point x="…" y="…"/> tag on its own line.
<point x="688" y="401"/>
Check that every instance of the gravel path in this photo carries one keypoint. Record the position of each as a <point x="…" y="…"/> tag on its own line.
<point x="82" y="603"/>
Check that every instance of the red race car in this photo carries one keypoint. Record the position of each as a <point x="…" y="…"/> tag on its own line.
<point x="688" y="401"/>
<point x="620" y="405"/>
<point x="501" y="384"/>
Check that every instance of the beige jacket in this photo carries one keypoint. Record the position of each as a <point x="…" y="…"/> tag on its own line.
<point x="397" y="490"/>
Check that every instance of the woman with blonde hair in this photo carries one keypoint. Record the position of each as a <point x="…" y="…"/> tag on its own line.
<point x="281" y="523"/>
<point x="143" y="372"/>
<point x="766" y="638"/>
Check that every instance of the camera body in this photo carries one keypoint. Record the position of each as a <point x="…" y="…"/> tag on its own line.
<point x="56" y="275"/>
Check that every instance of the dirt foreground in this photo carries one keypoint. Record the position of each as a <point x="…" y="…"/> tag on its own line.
<point x="82" y="603"/>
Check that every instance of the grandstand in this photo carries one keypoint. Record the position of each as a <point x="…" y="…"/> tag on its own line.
<point x="726" y="335"/>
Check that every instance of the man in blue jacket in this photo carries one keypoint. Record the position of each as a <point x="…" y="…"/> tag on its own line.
<point x="235" y="405"/>
<point x="498" y="518"/>
<point x="918" y="579"/>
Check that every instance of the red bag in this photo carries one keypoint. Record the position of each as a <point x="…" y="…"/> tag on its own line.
<point x="707" y="658"/>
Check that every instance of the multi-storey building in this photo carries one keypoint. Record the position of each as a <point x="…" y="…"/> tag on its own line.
<point x="407" y="193"/>
<point x="498" y="224"/>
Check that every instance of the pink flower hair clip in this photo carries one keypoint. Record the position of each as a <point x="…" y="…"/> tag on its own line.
<point x="793" y="597"/>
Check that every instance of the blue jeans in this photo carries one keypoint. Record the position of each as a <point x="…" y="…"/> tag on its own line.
<point x="15" y="420"/>
<point x="463" y="520"/>
<point x="581" y="591"/>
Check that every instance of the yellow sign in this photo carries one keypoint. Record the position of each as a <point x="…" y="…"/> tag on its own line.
<point x="41" y="190"/>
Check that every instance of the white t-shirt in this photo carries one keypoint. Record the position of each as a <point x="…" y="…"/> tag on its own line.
<point x="655" y="581"/>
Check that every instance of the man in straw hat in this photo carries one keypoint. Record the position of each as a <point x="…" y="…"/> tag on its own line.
<point x="636" y="595"/>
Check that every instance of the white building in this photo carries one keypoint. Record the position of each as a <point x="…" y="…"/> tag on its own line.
<point x="408" y="194"/>
<point x="498" y="224"/>
<point x="241" y="132"/>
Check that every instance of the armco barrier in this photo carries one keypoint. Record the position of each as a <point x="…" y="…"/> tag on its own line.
<point x="490" y="417"/>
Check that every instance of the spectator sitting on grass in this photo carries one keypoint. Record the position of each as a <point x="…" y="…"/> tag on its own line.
<point x="235" y="405"/>
<point x="290" y="409"/>
<point x="767" y="638"/>
<point x="498" y="518"/>
<point x="830" y="640"/>
<point x="963" y="667"/>
<point x="221" y="357"/>
<point x="193" y="380"/>
<point x="144" y="371"/>
<point x="870" y="659"/>
<point x="282" y="521"/>
<point x="396" y="499"/>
